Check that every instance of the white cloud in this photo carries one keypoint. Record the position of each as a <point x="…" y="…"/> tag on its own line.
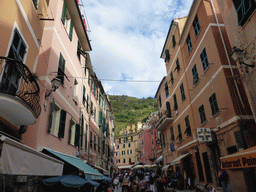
<point x="127" y="40"/>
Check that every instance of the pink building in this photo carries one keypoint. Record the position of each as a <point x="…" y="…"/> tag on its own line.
<point x="61" y="57"/>
<point x="147" y="141"/>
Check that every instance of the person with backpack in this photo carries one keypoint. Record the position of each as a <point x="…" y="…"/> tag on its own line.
<point x="224" y="180"/>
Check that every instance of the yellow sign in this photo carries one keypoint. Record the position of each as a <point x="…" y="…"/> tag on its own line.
<point x="241" y="161"/>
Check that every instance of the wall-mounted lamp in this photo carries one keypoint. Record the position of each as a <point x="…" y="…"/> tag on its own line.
<point x="237" y="54"/>
<point x="55" y="85"/>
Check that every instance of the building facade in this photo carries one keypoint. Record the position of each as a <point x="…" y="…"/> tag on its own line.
<point x="126" y="150"/>
<point x="201" y="94"/>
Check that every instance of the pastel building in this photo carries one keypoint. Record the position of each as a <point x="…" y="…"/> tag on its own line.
<point x="201" y="95"/>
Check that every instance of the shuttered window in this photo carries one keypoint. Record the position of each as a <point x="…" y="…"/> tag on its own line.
<point x="244" y="9"/>
<point x="61" y="68"/>
<point x="62" y="123"/>
<point x="214" y="104"/>
<point x="182" y="91"/>
<point x="77" y="138"/>
<point x="196" y="26"/>
<point x="195" y="75"/>
<point x="202" y="114"/>
<point x="188" y="128"/>
<point x="204" y="59"/>
<point x="189" y="43"/>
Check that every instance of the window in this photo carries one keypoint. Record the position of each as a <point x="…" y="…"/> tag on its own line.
<point x="75" y="94"/>
<point x="179" y="133"/>
<point x="173" y="41"/>
<point x="159" y="100"/>
<point x="131" y="138"/>
<point x="117" y="147"/>
<point x="118" y="161"/>
<point x="66" y="20"/>
<point x="78" y="52"/>
<point x="123" y="160"/>
<point x="130" y="160"/>
<point x="117" y="153"/>
<point x="95" y="140"/>
<point x="171" y="75"/>
<point x="128" y="152"/>
<point x="232" y="149"/>
<point x="72" y="132"/>
<point x="57" y="121"/>
<point x="175" y="102"/>
<point x="204" y="59"/>
<point x="129" y="144"/>
<point x="167" y="56"/>
<point x="202" y="114"/>
<point x="189" y="43"/>
<point x="188" y="128"/>
<point x="11" y="77"/>
<point x="172" y="134"/>
<point x="177" y="65"/>
<point x="244" y="9"/>
<point x="35" y="2"/>
<point x="99" y="144"/>
<point x="166" y="90"/>
<point x="119" y="140"/>
<point x="61" y="68"/>
<point x="90" y="139"/>
<point x="168" y="109"/>
<point x="214" y="104"/>
<point x="183" y="97"/>
<point x="123" y="145"/>
<point x="196" y="26"/>
<point x="195" y="75"/>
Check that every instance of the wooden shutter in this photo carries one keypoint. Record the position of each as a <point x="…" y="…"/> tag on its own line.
<point x="62" y="123"/>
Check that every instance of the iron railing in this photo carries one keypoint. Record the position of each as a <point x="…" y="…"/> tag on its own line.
<point x="17" y="80"/>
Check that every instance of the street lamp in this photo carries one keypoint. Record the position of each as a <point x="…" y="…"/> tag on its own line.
<point x="237" y="54"/>
<point x="55" y="85"/>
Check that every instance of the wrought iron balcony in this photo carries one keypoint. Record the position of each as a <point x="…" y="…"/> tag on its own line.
<point x="164" y="119"/>
<point x="19" y="90"/>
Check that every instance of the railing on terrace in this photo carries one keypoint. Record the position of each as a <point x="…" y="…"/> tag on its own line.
<point x="17" y="80"/>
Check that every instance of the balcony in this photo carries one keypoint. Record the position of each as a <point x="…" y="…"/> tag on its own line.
<point x="164" y="120"/>
<point x="19" y="93"/>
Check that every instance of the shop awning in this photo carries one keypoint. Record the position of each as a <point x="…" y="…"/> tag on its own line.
<point x="177" y="160"/>
<point x="19" y="159"/>
<point x="159" y="159"/>
<point x="242" y="159"/>
<point x="138" y="167"/>
<point x="125" y="167"/>
<point x="72" y="181"/>
<point x="166" y="167"/>
<point x="105" y="172"/>
<point x="89" y="172"/>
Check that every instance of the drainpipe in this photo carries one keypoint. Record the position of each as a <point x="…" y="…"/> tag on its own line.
<point x="227" y="55"/>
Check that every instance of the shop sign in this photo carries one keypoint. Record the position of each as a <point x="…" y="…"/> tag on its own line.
<point x="242" y="161"/>
<point x="204" y="134"/>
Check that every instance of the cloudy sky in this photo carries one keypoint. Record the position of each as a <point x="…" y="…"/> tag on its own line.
<point x="127" y="37"/>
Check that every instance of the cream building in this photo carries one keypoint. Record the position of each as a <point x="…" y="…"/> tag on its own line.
<point x="127" y="144"/>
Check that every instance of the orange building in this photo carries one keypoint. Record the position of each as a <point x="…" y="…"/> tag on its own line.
<point x="201" y="97"/>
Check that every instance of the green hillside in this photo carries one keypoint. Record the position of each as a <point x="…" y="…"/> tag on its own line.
<point x="128" y="110"/>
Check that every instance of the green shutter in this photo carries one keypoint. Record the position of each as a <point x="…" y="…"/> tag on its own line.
<point x="71" y="30"/>
<point x="100" y="118"/>
<point x="77" y="135"/>
<point x="62" y="123"/>
<point x="64" y="13"/>
<point x="50" y="117"/>
<point x="61" y="68"/>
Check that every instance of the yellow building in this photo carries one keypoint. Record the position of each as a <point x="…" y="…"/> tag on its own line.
<point x="127" y="144"/>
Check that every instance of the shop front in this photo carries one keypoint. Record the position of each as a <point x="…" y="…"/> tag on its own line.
<point x="241" y="168"/>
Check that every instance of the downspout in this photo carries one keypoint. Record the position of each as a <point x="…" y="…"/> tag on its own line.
<point x="227" y="55"/>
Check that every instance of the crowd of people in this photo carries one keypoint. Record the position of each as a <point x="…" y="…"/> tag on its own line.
<point x="140" y="182"/>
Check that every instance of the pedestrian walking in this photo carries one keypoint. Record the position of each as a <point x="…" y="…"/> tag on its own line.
<point x="152" y="183"/>
<point x="224" y="180"/>
<point x="142" y="185"/>
<point x="134" y="187"/>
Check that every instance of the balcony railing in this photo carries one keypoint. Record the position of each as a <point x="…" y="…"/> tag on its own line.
<point x="164" y="119"/>
<point x="17" y="80"/>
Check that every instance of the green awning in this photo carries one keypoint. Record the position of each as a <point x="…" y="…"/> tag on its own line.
<point x="90" y="173"/>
